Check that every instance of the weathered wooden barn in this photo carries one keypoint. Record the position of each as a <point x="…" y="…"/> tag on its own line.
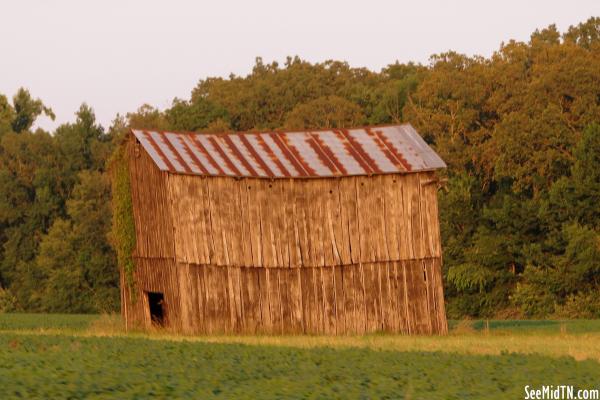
<point x="321" y="232"/>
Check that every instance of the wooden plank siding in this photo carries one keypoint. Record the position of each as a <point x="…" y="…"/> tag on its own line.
<point x="353" y="299"/>
<point x="221" y="300"/>
<point x="151" y="207"/>
<point x="344" y="255"/>
<point x="156" y="275"/>
<point x="301" y="223"/>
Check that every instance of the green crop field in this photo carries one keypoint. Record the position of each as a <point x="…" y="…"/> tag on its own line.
<point x="58" y="356"/>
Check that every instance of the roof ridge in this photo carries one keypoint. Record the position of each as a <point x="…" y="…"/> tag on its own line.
<point x="256" y="131"/>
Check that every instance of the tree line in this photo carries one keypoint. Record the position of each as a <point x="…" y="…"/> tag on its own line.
<point x="520" y="132"/>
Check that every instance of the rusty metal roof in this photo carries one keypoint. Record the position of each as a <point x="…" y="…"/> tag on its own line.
<point x="324" y="153"/>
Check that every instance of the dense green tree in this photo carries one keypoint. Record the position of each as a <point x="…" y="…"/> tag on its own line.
<point x="7" y="115"/>
<point x="585" y="34"/>
<point x="515" y="125"/>
<point x="147" y="117"/>
<point x="27" y="110"/>
<point x="263" y="99"/>
<point x="194" y="115"/>
<point x="83" y="144"/>
<point x="403" y="80"/>
<point x="31" y="196"/>
<point x="38" y="172"/>
<point x="324" y="112"/>
<point x="76" y="263"/>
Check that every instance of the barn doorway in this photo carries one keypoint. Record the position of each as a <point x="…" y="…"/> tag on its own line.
<point x="156" y="302"/>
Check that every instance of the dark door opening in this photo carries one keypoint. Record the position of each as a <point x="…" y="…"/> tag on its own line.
<point x="156" y="301"/>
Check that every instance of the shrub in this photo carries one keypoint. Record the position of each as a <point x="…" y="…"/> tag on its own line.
<point x="584" y="305"/>
<point x="8" y="302"/>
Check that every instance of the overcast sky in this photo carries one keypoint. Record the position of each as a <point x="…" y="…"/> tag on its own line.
<point x="117" y="55"/>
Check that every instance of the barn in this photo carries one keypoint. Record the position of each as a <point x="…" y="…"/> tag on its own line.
<point x="317" y="232"/>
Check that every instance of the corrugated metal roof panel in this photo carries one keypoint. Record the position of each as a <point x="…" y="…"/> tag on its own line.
<point x="334" y="152"/>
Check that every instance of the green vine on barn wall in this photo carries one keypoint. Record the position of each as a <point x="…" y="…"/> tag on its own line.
<point x="123" y="226"/>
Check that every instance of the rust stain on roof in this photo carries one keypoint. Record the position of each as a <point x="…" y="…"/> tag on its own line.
<point x="324" y="153"/>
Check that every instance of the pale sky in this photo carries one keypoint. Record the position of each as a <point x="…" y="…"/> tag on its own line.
<point x="117" y="55"/>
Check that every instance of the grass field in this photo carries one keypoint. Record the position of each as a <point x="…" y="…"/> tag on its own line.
<point x="57" y="356"/>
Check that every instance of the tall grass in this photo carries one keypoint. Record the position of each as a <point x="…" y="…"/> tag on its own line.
<point x="577" y="339"/>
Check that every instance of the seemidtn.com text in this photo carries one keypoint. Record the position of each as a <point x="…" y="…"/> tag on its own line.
<point x="560" y="392"/>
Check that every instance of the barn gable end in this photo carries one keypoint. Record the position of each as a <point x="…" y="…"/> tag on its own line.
<point x="329" y="232"/>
